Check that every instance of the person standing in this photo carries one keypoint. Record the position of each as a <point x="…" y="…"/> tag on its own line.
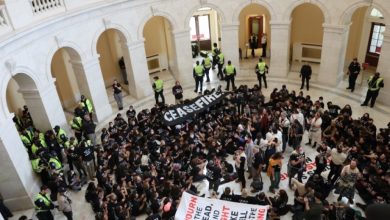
<point x="158" y="87"/>
<point x="85" y="150"/>
<point x="198" y="73"/>
<point x="64" y="203"/>
<point x="240" y="159"/>
<point x="315" y="131"/>
<point x="76" y="125"/>
<point x="89" y="129"/>
<point x="207" y="63"/>
<point x="230" y="73"/>
<point x="353" y="71"/>
<point x="313" y="210"/>
<point x="296" y="164"/>
<point x="348" y="178"/>
<point x="261" y="70"/>
<point x="177" y="91"/>
<point x="338" y="157"/>
<point x="118" y="94"/>
<point x="375" y="83"/>
<point x="253" y="43"/>
<point x="87" y="104"/>
<point x="285" y="126"/>
<point x="43" y="205"/>
<point x="215" y="53"/>
<point x="122" y="67"/>
<point x="264" y="45"/>
<point x="305" y="75"/>
<point x="221" y="61"/>
<point x="273" y="171"/>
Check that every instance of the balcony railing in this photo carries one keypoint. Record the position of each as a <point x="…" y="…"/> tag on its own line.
<point x="41" y="6"/>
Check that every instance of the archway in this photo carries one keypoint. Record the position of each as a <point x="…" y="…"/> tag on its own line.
<point x="68" y="71"/>
<point x="306" y="36"/>
<point x="254" y="18"/>
<point x="159" y="47"/>
<point x="22" y="91"/>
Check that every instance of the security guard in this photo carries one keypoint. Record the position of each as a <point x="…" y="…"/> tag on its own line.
<point x="215" y="53"/>
<point x="55" y="164"/>
<point x="353" y="71"/>
<point x="221" y="61"/>
<point x="198" y="73"/>
<point x="230" y="73"/>
<point x="375" y="83"/>
<point x="76" y="124"/>
<point x="43" y="205"/>
<point x="207" y="63"/>
<point x="261" y="70"/>
<point x="158" y="87"/>
<point x="18" y="123"/>
<point x="36" y="164"/>
<point x="87" y="104"/>
<point x="27" y="138"/>
<point x="61" y="135"/>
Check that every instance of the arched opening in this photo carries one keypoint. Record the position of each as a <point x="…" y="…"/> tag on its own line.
<point x="22" y="91"/>
<point x="306" y="36"/>
<point x="115" y="62"/>
<point x="365" y="40"/>
<point x="159" y="47"/>
<point x="254" y="25"/>
<point x="70" y="81"/>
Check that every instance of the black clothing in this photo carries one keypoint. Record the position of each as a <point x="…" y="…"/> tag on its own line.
<point x="177" y="91"/>
<point x="305" y="75"/>
<point x="117" y="88"/>
<point x="89" y="127"/>
<point x="354" y="70"/>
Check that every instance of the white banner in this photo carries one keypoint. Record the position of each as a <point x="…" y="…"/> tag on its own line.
<point x="197" y="208"/>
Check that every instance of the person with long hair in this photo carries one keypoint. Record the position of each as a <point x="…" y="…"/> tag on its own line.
<point x="273" y="171"/>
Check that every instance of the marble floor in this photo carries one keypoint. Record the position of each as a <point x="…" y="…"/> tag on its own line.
<point x="337" y="95"/>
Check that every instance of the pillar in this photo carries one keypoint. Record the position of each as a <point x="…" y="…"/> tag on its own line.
<point x="334" y="47"/>
<point x="18" y="183"/>
<point x="384" y="69"/>
<point x="182" y="69"/>
<point x="137" y="69"/>
<point x="90" y="77"/>
<point x="280" y="48"/>
<point x="229" y="41"/>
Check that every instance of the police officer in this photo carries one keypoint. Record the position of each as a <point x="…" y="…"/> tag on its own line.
<point x="230" y="73"/>
<point x="375" y="83"/>
<point x="76" y="124"/>
<point x="87" y="104"/>
<point x="27" y="139"/>
<point x="215" y="53"/>
<point x="253" y="43"/>
<point x="305" y="75"/>
<point x="207" y="63"/>
<point x="198" y="73"/>
<point x="261" y="70"/>
<point x="353" y="71"/>
<point x="221" y="61"/>
<point x="43" y="205"/>
<point x="158" y="87"/>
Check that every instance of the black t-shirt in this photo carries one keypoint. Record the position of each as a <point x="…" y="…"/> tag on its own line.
<point x="295" y="157"/>
<point x="226" y="197"/>
<point x="117" y="88"/>
<point x="131" y="113"/>
<point x="177" y="92"/>
<point x="86" y="152"/>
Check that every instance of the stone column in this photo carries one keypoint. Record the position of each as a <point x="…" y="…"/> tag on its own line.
<point x="182" y="69"/>
<point x="229" y="44"/>
<point x="280" y="48"/>
<point x="45" y="107"/>
<point x="91" y="84"/>
<point x="334" y="46"/>
<point x="384" y="69"/>
<point x="18" y="183"/>
<point x="137" y="69"/>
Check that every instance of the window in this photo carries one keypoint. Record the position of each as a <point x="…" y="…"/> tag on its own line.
<point x="376" y="38"/>
<point x="200" y="27"/>
<point x="376" y="13"/>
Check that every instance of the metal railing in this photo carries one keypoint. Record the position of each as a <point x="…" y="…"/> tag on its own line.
<point x="41" y="6"/>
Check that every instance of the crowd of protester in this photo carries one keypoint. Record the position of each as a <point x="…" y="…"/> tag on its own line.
<point x="142" y="166"/>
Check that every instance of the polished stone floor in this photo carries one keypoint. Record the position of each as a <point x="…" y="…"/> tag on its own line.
<point x="337" y="95"/>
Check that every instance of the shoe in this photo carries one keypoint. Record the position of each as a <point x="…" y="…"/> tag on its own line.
<point x="249" y="177"/>
<point x="352" y="90"/>
<point x="226" y="89"/>
<point x="120" y="108"/>
<point x="350" y="201"/>
<point x="339" y="198"/>
<point x="363" y="104"/>
<point x="207" y="80"/>
<point x="348" y="88"/>
<point x="200" y="93"/>
<point x="308" y="143"/>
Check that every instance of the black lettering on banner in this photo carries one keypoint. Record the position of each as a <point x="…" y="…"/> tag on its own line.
<point x="252" y="214"/>
<point x="178" y="114"/>
<point x="243" y="215"/>
<point x="198" y="213"/>
<point x="234" y="215"/>
<point x="215" y="214"/>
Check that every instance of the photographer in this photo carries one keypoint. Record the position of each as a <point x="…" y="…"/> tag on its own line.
<point x="296" y="165"/>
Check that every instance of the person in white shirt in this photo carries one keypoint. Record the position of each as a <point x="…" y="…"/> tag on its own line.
<point x="338" y="157"/>
<point x="285" y="126"/>
<point x="315" y="131"/>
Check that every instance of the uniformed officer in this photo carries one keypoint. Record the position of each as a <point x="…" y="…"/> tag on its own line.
<point x="87" y="104"/>
<point x="253" y="43"/>
<point x="375" y="83"/>
<point x="215" y="53"/>
<point x="43" y="205"/>
<point x="76" y="124"/>
<point x="221" y="61"/>
<point x="230" y="73"/>
<point x="198" y="73"/>
<point x="207" y="63"/>
<point x="61" y="135"/>
<point x="261" y="70"/>
<point x="353" y="71"/>
<point x="27" y="139"/>
<point x="158" y="87"/>
<point x="305" y="75"/>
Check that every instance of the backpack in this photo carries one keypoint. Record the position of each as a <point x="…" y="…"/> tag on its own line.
<point x="257" y="183"/>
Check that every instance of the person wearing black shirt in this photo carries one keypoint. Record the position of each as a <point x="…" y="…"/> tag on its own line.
<point x="240" y="160"/>
<point x="353" y="71"/>
<point x="89" y="129"/>
<point x="177" y="91"/>
<point x="296" y="165"/>
<point x="226" y="195"/>
<point x="305" y="75"/>
<point x="80" y="111"/>
<point x="85" y="150"/>
<point x="131" y="113"/>
<point x="214" y="175"/>
<point x="118" y="94"/>
<point x="253" y="43"/>
<point x="122" y="66"/>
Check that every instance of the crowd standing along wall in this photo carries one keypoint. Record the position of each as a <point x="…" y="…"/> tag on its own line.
<point x="29" y="40"/>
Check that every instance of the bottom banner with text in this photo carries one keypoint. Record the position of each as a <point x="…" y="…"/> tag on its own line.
<point x="193" y="208"/>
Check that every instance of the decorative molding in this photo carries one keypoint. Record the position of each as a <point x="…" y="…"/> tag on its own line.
<point x="10" y="64"/>
<point x="107" y="23"/>
<point x="59" y="41"/>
